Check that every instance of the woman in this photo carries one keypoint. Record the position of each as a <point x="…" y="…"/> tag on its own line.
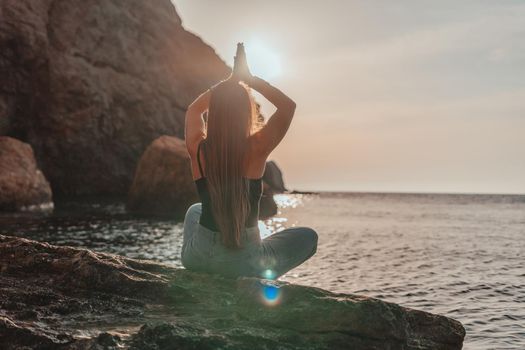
<point x="228" y="154"/>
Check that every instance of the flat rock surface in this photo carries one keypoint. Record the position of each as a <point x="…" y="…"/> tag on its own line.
<point x="70" y="298"/>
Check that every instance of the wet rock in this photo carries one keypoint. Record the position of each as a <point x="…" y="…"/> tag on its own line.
<point x="177" y="336"/>
<point x="273" y="184"/>
<point x="84" y="299"/>
<point x="268" y="207"/>
<point x="89" y="84"/>
<point x="23" y="187"/>
<point x="23" y="336"/>
<point x="163" y="183"/>
<point x="274" y="177"/>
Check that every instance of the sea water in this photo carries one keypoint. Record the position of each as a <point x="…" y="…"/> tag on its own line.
<point x="462" y="256"/>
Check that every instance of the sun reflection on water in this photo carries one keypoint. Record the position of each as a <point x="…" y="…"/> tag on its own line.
<point x="279" y="222"/>
<point x="288" y="200"/>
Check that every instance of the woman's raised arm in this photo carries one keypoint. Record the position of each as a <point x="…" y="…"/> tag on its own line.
<point x="194" y="130"/>
<point x="271" y="134"/>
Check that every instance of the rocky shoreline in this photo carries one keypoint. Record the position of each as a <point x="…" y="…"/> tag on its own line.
<point x="70" y="298"/>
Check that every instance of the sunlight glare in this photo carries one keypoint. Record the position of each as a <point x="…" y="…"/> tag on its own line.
<point x="263" y="61"/>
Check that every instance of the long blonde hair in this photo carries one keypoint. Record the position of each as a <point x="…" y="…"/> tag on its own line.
<point x="232" y="118"/>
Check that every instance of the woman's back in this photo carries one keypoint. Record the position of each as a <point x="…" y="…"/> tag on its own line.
<point x="255" y="189"/>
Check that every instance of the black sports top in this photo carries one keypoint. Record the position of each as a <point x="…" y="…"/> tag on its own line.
<point x="206" y="219"/>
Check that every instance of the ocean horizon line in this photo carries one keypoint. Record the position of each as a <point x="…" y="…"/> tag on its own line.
<point x="297" y="191"/>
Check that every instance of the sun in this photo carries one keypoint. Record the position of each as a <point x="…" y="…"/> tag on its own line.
<point x="263" y="61"/>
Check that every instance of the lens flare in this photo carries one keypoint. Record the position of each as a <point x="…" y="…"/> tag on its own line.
<point x="271" y="293"/>
<point x="269" y="274"/>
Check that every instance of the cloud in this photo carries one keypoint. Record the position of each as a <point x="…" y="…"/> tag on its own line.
<point x="483" y="33"/>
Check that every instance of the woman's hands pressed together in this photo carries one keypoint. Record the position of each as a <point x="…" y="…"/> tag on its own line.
<point x="241" y="71"/>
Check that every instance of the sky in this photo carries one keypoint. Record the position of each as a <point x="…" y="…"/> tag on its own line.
<point x="392" y="96"/>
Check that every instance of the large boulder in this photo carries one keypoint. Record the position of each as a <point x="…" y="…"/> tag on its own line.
<point x="22" y="185"/>
<point x="273" y="176"/>
<point x="163" y="183"/>
<point x="54" y="296"/>
<point x="268" y="206"/>
<point x="273" y="183"/>
<point x="91" y="83"/>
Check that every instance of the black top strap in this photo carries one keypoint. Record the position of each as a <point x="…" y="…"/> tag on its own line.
<point x="199" y="158"/>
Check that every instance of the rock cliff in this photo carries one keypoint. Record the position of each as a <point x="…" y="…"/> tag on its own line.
<point x="70" y="298"/>
<point x="89" y="84"/>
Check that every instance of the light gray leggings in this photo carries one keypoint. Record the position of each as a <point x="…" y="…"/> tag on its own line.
<point x="270" y="258"/>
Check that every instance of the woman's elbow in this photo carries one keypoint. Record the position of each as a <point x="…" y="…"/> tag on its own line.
<point x="287" y="105"/>
<point x="292" y="105"/>
<point x="289" y="108"/>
